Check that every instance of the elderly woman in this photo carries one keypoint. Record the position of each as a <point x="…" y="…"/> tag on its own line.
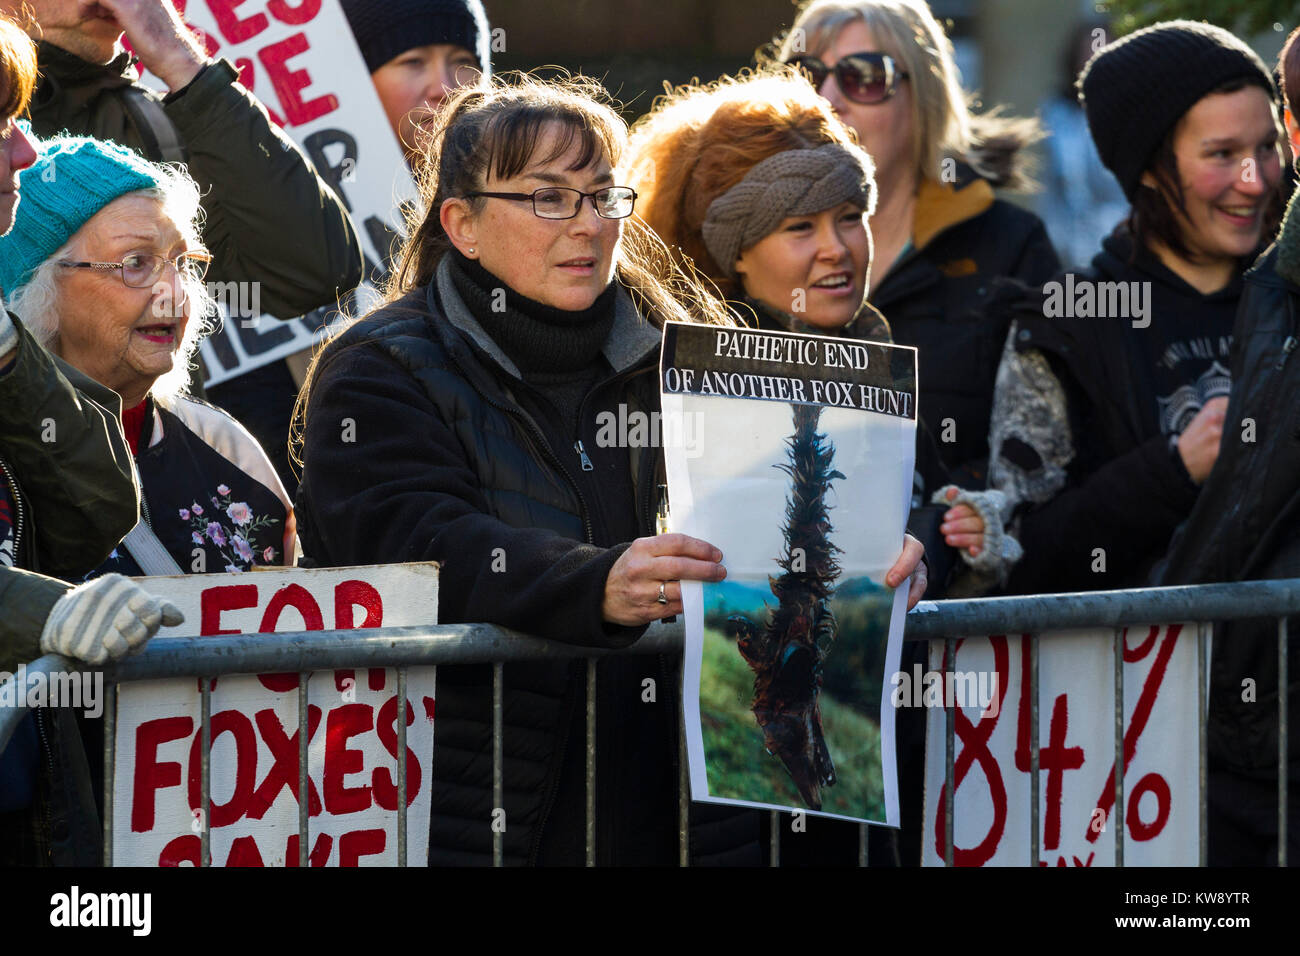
<point x="766" y="192"/>
<point x="941" y="237"/>
<point x="104" y="262"/>
<point x="458" y="423"/>
<point x="63" y="506"/>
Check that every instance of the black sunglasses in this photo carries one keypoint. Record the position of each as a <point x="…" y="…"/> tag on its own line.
<point x="863" y="77"/>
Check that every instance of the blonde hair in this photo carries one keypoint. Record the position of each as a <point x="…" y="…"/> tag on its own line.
<point x="991" y="143"/>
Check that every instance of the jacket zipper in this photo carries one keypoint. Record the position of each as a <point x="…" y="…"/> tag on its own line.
<point x="1287" y="348"/>
<point x="38" y="714"/>
<point x="18" y="509"/>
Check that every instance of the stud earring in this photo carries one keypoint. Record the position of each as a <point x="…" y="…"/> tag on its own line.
<point x="471" y="250"/>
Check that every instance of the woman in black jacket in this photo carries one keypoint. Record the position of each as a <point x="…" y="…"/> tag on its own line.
<point x="458" y="423"/>
<point x="941" y="235"/>
<point x="764" y="190"/>
<point x="1112" y="390"/>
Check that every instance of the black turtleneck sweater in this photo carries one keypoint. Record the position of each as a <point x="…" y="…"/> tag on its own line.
<point x="559" y="355"/>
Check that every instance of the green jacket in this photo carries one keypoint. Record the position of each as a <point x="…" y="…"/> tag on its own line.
<point x="269" y="217"/>
<point x="63" y="449"/>
<point x="69" y="470"/>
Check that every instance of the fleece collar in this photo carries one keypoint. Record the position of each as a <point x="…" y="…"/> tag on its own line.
<point x="630" y="339"/>
<point x="940" y="206"/>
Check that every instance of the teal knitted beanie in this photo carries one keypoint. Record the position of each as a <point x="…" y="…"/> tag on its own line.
<point x="73" y="178"/>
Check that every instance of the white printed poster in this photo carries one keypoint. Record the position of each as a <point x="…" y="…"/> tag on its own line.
<point x="793" y="455"/>
<point x="301" y="61"/>
<point x="351" y="730"/>
<point x="1076" y="744"/>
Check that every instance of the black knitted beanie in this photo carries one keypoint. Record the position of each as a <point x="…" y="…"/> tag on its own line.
<point x="1135" y="89"/>
<point x="387" y="28"/>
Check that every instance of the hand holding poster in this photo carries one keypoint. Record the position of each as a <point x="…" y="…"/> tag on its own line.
<point x="799" y="470"/>
<point x="351" y="730"/>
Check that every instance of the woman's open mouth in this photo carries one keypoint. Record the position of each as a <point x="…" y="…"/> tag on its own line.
<point x="1243" y="217"/>
<point x="837" y="283"/>
<point x="163" y="333"/>
<point x="579" y="266"/>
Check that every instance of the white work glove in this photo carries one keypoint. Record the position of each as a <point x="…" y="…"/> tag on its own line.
<point x="104" y="619"/>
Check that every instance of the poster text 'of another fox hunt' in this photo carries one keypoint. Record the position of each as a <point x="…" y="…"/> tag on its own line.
<point x="793" y="455"/>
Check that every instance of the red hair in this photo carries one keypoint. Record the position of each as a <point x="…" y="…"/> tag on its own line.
<point x="699" y="141"/>
<point x="17" y="69"/>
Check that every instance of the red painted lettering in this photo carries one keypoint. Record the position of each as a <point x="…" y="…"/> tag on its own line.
<point x="975" y="748"/>
<point x="289" y="84"/>
<point x="343" y="723"/>
<point x="1056" y="758"/>
<point x="227" y="597"/>
<point x="183" y="849"/>
<point x="320" y="851"/>
<point x="359" y="843"/>
<point x="349" y="595"/>
<point x="244" y="852"/>
<point x="150" y="775"/>
<point x="284" y="766"/>
<point x="382" y="778"/>
<point x="1138" y="722"/>
<point x="241" y="729"/>
<point x="1156" y="784"/>
<point x="294" y="15"/>
<point x="299" y="598"/>
<point x="234" y="28"/>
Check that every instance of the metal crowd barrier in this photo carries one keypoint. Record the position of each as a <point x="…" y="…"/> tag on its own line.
<point x="402" y="647"/>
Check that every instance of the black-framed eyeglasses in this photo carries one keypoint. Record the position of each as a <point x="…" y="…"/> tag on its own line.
<point x="863" y="77"/>
<point x="141" y="270"/>
<point x="561" y="202"/>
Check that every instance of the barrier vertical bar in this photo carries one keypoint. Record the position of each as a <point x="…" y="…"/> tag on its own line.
<point x="498" y="790"/>
<point x="683" y="794"/>
<point x="304" y="785"/>
<point x="110" y="756"/>
<point x="1117" y="817"/>
<point x="1202" y="782"/>
<point x="1282" y="729"/>
<point x="774" y="840"/>
<point x="862" y="844"/>
<point x="1035" y="837"/>
<point x="401" y="766"/>
<point x="205" y="771"/>
<point x="950" y="750"/>
<point x="591" y="761"/>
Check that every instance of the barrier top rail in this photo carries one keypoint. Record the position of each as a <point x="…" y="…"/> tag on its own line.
<point x="304" y="651"/>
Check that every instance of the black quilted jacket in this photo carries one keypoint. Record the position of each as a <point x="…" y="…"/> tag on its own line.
<point x="416" y="448"/>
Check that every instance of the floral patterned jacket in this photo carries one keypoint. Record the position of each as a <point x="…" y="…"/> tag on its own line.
<point x="210" y="493"/>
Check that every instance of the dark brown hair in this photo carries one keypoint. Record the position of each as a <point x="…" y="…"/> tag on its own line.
<point x="17" y="69"/>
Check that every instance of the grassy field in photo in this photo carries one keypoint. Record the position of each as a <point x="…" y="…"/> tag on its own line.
<point x="739" y="766"/>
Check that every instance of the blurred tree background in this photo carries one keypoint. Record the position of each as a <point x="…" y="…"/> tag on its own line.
<point x="1246" y="17"/>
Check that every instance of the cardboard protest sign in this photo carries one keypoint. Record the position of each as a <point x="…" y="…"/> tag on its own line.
<point x="1076" y="740"/>
<point x="301" y="61"/>
<point x="352" y="730"/>
<point x="793" y="455"/>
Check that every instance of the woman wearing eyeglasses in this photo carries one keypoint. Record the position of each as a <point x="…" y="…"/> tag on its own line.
<point x="458" y="423"/>
<point x="941" y="236"/>
<point x="105" y="265"/>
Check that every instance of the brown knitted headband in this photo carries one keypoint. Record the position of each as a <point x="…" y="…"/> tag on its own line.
<point x="794" y="183"/>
